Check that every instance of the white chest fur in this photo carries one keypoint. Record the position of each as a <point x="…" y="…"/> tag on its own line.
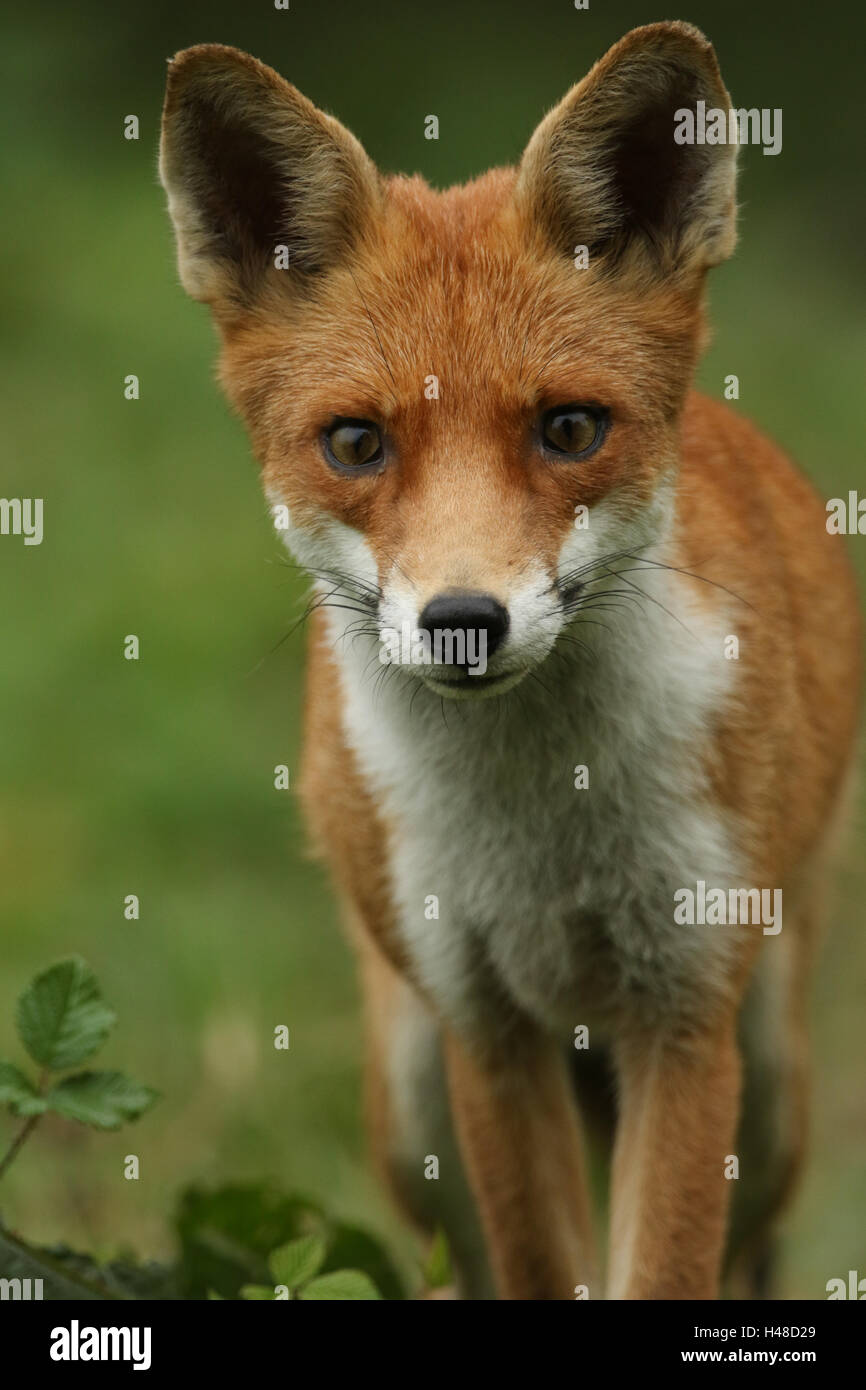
<point x="555" y="899"/>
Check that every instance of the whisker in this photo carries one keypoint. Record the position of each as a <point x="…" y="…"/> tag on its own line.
<point x="399" y="567"/>
<point x="689" y="574"/>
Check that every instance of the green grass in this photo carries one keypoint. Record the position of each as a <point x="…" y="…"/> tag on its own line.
<point x="156" y="777"/>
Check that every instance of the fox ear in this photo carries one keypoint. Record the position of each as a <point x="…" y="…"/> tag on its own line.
<point x="604" y="170"/>
<point x="250" y="165"/>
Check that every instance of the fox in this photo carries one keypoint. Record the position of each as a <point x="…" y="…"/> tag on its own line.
<point x="474" y="416"/>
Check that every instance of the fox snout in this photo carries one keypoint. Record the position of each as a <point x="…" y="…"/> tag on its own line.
<point x="460" y="611"/>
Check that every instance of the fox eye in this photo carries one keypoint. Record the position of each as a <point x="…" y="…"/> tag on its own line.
<point x="353" y="444"/>
<point x="576" y="430"/>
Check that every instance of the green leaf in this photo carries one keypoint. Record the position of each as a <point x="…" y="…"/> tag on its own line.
<point x="18" y="1092"/>
<point x="30" y="1105"/>
<point x="341" y="1284"/>
<point x="256" y="1293"/>
<point x="13" y="1084"/>
<point x="295" y="1263"/>
<point x="226" y="1235"/>
<point x="437" y="1271"/>
<point x="351" y="1248"/>
<point x="61" y="1017"/>
<point x="104" y="1099"/>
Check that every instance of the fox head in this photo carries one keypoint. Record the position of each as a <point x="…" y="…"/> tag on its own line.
<point x="463" y="402"/>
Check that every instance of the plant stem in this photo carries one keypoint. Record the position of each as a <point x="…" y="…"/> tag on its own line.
<point x="17" y="1142"/>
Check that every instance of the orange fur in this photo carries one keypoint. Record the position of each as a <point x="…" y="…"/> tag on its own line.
<point x="476" y="286"/>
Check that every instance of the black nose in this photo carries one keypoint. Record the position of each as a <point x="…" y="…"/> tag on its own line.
<point x="463" y="611"/>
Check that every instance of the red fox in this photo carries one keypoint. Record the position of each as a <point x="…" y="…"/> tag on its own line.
<point x="558" y="826"/>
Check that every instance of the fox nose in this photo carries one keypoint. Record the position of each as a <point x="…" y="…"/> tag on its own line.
<point x="462" y="610"/>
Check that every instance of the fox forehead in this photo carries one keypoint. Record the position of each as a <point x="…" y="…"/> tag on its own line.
<point x="453" y="285"/>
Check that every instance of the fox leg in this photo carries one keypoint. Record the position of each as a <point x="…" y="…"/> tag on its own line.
<point x="774" y="1123"/>
<point x="679" y="1102"/>
<point x="517" y="1124"/>
<point x="409" y="1121"/>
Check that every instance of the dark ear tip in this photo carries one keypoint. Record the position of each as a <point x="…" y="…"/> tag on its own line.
<point x="209" y="57"/>
<point x="671" y="41"/>
<point x="670" y="30"/>
<point x="670" y="36"/>
<point x="207" y="52"/>
<point x="208" y="66"/>
<point x="693" y="41"/>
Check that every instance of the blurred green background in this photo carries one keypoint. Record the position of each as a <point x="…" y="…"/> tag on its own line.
<point x="156" y="777"/>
